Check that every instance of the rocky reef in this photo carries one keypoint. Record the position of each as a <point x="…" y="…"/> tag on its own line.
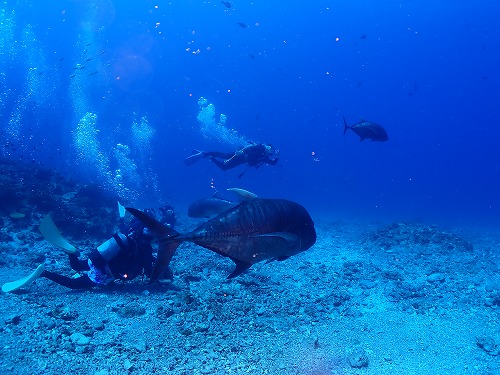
<point x="29" y="192"/>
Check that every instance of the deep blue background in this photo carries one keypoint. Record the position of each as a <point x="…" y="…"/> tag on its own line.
<point x="427" y="71"/>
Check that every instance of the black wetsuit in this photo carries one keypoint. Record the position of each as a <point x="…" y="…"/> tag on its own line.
<point x="252" y="155"/>
<point x="132" y="260"/>
<point x="79" y="265"/>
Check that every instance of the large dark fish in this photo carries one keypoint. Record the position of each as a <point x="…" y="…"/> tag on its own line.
<point x="368" y="130"/>
<point x="214" y="205"/>
<point x="252" y="231"/>
<point x="208" y="207"/>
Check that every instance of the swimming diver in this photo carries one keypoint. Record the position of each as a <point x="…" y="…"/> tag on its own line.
<point x="253" y="155"/>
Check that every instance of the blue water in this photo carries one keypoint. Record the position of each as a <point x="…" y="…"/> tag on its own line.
<point x="108" y="92"/>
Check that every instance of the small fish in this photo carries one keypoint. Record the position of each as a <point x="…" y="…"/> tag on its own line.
<point x="89" y="59"/>
<point x="227" y="4"/>
<point x="72" y="76"/>
<point x="93" y="73"/>
<point x="242" y="25"/>
<point x="87" y="45"/>
<point x="368" y="130"/>
<point x="363" y="36"/>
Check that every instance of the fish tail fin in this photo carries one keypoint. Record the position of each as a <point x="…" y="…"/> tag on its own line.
<point x="345" y="124"/>
<point x="197" y="155"/>
<point x="166" y="236"/>
<point x="166" y="251"/>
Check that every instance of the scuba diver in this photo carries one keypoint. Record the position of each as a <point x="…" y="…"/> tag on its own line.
<point x="122" y="257"/>
<point x="167" y="216"/>
<point x="253" y="155"/>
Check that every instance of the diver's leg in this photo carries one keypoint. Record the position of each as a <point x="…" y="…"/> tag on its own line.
<point x="225" y="164"/>
<point x="82" y="282"/>
<point x="217" y="154"/>
<point x="234" y="161"/>
<point x="78" y="264"/>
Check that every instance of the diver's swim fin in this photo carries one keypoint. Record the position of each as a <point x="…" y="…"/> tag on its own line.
<point x="121" y="210"/>
<point x="25" y="281"/>
<point x="51" y="233"/>
<point x="194" y="158"/>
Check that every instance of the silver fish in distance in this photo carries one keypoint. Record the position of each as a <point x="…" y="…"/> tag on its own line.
<point x="368" y="130"/>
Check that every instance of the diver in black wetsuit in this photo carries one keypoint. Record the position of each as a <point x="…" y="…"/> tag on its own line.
<point x="167" y="216"/>
<point x="253" y="155"/>
<point x="122" y="257"/>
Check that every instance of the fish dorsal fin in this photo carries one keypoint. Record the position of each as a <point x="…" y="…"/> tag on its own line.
<point x="243" y="194"/>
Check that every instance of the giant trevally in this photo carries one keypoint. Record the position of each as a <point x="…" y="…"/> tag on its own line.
<point x="254" y="230"/>
<point x="208" y="207"/>
<point x="212" y="206"/>
<point x="368" y="130"/>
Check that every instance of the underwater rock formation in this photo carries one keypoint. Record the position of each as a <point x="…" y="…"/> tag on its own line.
<point x="412" y="234"/>
<point x="34" y="191"/>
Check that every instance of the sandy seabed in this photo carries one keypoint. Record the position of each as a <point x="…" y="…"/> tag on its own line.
<point x="355" y="303"/>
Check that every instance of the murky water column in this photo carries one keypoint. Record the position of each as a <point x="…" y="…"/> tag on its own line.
<point x="7" y="54"/>
<point x="212" y="129"/>
<point x="119" y="156"/>
<point x="91" y="137"/>
<point x="142" y="138"/>
<point x="27" y="85"/>
<point x="92" y="160"/>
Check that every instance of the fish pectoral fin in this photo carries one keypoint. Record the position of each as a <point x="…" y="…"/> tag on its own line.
<point x="240" y="268"/>
<point x="288" y="237"/>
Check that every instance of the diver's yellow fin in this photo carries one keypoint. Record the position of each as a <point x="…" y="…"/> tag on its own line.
<point x="121" y="210"/>
<point x="52" y="234"/>
<point x="25" y="281"/>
